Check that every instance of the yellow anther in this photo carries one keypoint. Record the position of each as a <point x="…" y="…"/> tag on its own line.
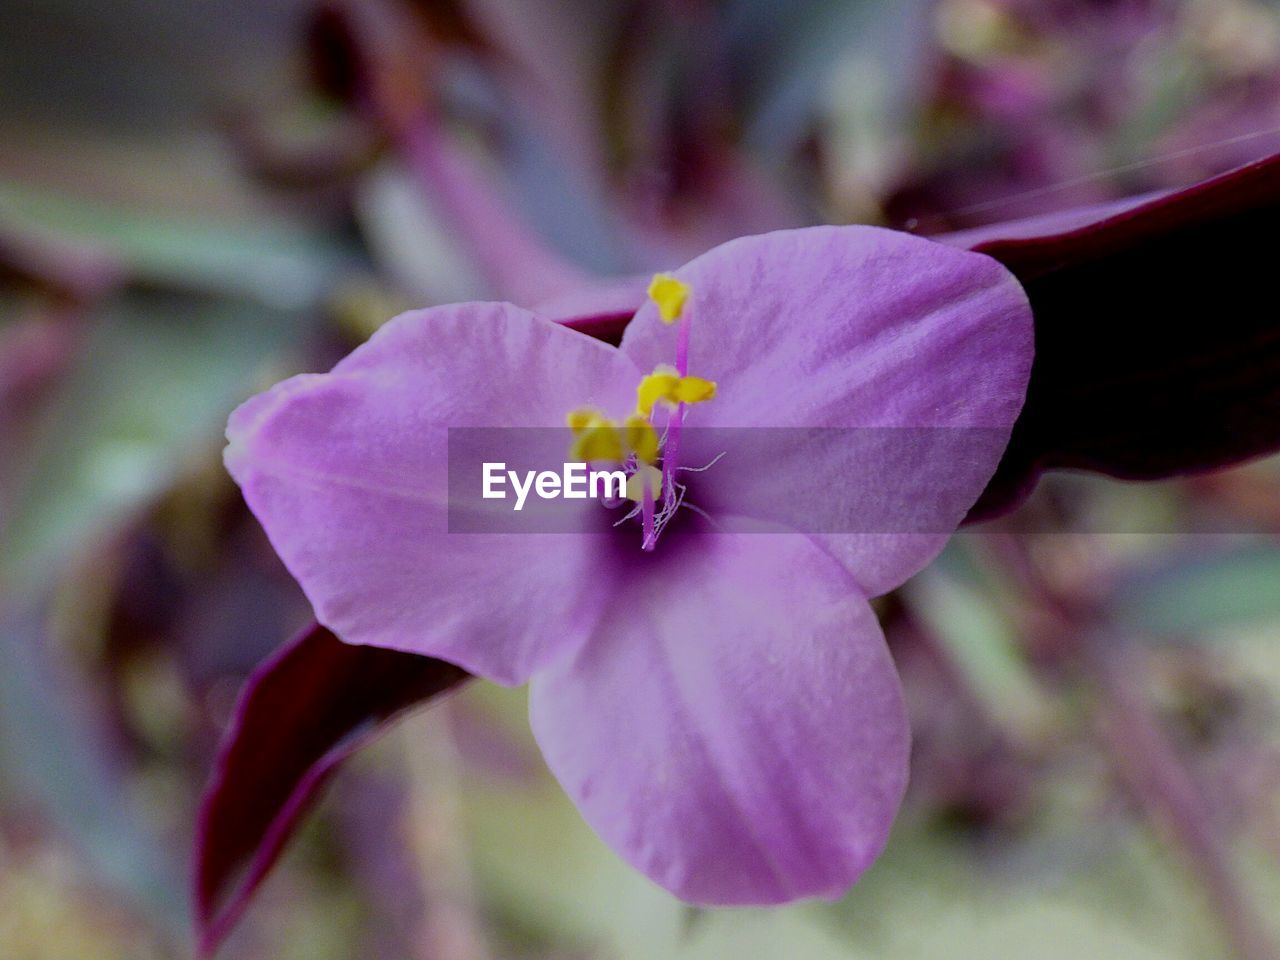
<point x="670" y="295"/>
<point x="659" y="385"/>
<point x="694" y="390"/>
<point x="598" y="440"/>
<point x="636" y="482"/>
<point x="642" y="439"/>
<point x="666" y="386"/>
<point x="582" y="417"/>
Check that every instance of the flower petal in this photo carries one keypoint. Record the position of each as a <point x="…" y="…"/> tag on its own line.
<point x="735" y="728"/>
<point x="849" y="327"/>
<point x="347" y="471"/>
<point x="920" y="352"/>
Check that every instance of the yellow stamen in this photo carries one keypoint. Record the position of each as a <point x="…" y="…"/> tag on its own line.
<point x="596" y="444"/>
<point x="596" y="437"/>
<point x="659" y="385"/>
<point x="666" y="386"/>
<point x="670" y="295"/>
<point x="635" y="483"/>
<point x="694" y="390"/>
<point x="582" y="417"/>
<point x="642" y="439"/>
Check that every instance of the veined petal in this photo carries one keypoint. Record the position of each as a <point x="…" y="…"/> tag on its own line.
<point x="862" y="329"/>
<point x="734" y="728"/>
<point x="347" y="472"/>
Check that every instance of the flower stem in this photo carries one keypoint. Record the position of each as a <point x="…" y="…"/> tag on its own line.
<point x="1140" y="751"/>
<point x="1153" y="773"/>
<point x="450" y="925"/>
<point x="514" y="261"/>
<point x="395" y="93"/>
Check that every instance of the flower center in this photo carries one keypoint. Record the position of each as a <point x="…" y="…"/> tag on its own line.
<point x="635" y="442"/>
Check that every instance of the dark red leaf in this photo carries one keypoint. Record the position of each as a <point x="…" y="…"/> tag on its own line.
<point x="1157" y="348"/>
<point x="601" y="310"/>
<point x="1157" y="344"/>
<point x="300" y="715"/>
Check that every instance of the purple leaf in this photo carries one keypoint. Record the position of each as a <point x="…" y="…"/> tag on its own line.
<point x="300" y="715"/>
<point x="601" y="310"/>
<point x="1157" y="353"/>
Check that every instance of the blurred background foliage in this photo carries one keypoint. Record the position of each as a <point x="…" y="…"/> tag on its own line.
<point x="199" y="198"/>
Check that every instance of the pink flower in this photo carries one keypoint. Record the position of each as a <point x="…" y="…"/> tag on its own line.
<point x="721" y="706"/>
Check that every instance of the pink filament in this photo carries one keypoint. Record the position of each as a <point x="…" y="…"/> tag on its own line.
<point x="649" y="538"/>
<point x="682" y="345"/>
<point x="671" y="454"/>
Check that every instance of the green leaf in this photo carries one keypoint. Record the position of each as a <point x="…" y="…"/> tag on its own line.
<point x="155" y="382"/>
<point x="1203" y="592"/>
<point x="277" y="264"/>
<point x="985" y="645"/>
<point x="787" y="52"/>
<point x="52" y="752"/>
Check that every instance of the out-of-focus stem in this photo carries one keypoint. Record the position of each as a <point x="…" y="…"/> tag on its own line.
<point x="1142" y="754"/>
<point x="392" y="90"/>
<point x="451" y="929"/>
<point x="1151" y="769"/>
<point x="515" y="262"/>
<point x="35" y="351"/>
